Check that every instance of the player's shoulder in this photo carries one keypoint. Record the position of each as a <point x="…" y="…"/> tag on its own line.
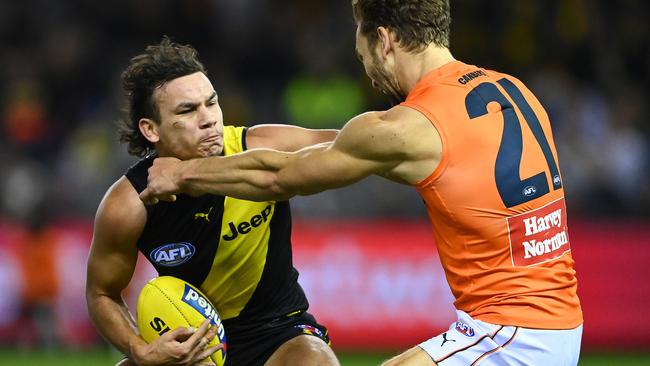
<point x="496" y="76"/>
<point x="403" y="115"/>
<point x="121" y="206"/>
<point x="404" y="122"/>
<point x="386" y="133"/>
<point x="363" y="127"/>
<point x="391" y="119"/>
<point x="395" y="122"/>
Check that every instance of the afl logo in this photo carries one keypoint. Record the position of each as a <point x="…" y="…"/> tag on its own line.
<point x="465" y="329"/>
<point x="173" y="254"/>
<point x="529" y="191"/>
<point x="556" y="180"/>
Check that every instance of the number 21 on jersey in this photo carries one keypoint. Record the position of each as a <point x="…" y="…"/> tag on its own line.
<point x="512" y="188"/>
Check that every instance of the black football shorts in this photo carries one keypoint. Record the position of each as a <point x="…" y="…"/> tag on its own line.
<point x="254" y="344"/>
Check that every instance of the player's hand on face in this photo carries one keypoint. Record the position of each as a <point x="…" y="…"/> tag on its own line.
<point x="162" y="182"/>
<point x="182" y="346"/>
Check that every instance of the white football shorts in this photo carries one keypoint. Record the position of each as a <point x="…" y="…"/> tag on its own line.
<point x="473" y="342"/>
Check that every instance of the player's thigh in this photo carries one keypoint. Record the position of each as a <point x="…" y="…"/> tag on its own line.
<point x="303" y="350"/>
<point x="412" y="357"/>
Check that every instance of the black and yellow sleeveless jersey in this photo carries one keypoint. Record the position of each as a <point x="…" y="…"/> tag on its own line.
<point x="237" y="252"/>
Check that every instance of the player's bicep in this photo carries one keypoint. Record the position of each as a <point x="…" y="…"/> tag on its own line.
<point x="113" y="253"/>
<point x="110" y="265"/>
<point x="342" y="163"/>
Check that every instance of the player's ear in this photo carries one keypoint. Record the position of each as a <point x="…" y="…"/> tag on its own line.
<point x="149" y="129"/>
<point x="386" y="40"/>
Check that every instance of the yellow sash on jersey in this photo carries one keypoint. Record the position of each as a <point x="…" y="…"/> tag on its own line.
<point x="240" y="259"/>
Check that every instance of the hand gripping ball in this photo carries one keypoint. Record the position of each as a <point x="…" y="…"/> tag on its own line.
<point x="166" y="303"/>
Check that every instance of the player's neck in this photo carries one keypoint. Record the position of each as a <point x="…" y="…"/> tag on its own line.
<point x="414" y="66"/>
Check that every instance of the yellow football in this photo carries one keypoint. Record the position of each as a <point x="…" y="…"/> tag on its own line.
<point x="166" y="303"/>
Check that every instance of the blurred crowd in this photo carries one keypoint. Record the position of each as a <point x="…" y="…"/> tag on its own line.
<point x="293" y="61"/>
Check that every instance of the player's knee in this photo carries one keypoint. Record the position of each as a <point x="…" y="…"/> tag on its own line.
<point x="395" y="362"/>
<point x="413" y="357"/>
<point x="315" y="351"/>
<point x="304" y="351"/>
<point x="392" y="362"/>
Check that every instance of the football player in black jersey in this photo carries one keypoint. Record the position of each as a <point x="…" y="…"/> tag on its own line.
<point x="237" y="252"/>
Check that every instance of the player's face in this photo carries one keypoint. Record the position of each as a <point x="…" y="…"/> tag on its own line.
<point x="191" y="121"/>
<point x="382" y="78"/>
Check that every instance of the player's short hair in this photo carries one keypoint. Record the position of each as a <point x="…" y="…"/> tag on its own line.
<point x="157" y="65"/>
<point x="416" y="23"/>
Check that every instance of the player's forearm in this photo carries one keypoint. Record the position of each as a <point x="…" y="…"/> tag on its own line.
<point x="114" y="322"/>
<point x="252" y="175"/>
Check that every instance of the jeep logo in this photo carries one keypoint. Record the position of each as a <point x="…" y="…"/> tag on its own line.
<point x="245" y="227"/>
<point x="173" y="254"/>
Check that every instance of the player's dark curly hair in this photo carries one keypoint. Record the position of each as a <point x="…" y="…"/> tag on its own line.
<point x="416" y="23"/>
<point x="158" y="65"/>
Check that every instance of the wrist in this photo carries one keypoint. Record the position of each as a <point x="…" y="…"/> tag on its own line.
<point x="182" y="175"/>
<point x="138" y="351"/>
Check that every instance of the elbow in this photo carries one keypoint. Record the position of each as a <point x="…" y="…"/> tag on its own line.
<point x="93" y="297"/>
<point x="93" y="300"/>
<point x="96" y="295"/>
<point x="91" y="292"/>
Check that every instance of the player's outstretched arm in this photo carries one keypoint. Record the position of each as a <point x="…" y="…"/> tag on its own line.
<point x="400" y="144"/>
<point x="118" y="224"/>
<point x="283" y="138"/>
<point x="372" y="143"/>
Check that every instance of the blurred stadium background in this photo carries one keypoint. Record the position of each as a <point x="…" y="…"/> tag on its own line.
<point x="364" y="252"/>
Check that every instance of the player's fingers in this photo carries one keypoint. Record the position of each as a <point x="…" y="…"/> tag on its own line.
<point x="209" y="351"/>
<point x="168" y="198"/>
<point x="147" y="198"/>
<point x="212" y="332"/>
<point x="198" y="336"/>
<point x="181" y="334"/>
<point x="210" y="363"/>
